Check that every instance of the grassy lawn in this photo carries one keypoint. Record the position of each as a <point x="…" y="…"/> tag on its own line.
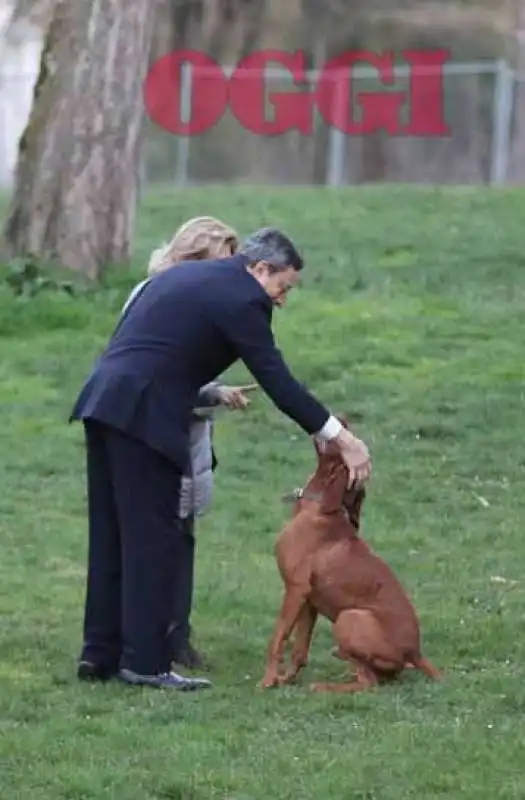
<point x="412" y="320"/>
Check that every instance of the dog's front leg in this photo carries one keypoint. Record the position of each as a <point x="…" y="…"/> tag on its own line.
<point x="303" y="637"/>
<point x="292" y="605"/>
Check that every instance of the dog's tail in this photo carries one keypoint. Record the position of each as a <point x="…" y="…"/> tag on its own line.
<point x="425" y="666"/>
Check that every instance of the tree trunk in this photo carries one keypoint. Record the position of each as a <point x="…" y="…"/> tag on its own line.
<point x="78" y="161"/>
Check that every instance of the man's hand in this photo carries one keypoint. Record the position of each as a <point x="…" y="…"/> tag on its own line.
<point x="355" y="455"/>
<point x="234" y="397"/>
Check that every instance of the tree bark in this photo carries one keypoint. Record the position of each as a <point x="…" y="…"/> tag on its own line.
<point x="77" y="176"/>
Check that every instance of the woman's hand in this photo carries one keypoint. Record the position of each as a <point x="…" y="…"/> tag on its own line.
<point x="234" y="397"/>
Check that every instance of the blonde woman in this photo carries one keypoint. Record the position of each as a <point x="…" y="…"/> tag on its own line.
<point x="199" y="238"/>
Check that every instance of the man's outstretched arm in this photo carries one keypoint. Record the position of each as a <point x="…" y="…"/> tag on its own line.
<point x="249" y="331"/>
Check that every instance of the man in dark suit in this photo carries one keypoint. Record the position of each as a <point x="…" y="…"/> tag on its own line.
<point x="186" y="327"/>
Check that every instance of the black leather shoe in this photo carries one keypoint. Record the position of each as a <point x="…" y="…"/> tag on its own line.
<point x="189" y="658"/>
<point x="168" y="680"/>
<point x="87" y="671"/>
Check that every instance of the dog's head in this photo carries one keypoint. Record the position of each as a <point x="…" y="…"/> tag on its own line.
<point x="332" y="478"/>
<point x="329" y="483"/>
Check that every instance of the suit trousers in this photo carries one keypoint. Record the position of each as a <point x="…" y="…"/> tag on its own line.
<point x="180" y="631"/>
<point x="135" y="554"/>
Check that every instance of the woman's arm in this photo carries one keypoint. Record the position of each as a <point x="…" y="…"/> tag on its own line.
<point x="208" y="399"/>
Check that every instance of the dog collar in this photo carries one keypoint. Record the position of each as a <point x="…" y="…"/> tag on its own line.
<point x="303" y="494"/>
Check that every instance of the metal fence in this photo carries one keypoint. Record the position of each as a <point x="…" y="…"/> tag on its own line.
<point x="480" y="107"/>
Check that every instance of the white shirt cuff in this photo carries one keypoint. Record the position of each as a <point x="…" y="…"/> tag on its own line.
<point x="330" y="429"/>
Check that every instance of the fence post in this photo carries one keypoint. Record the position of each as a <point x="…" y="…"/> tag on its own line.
<point x="183" y="142"/>
<point x="337" y="139"/>
<point x="501" y="122"/>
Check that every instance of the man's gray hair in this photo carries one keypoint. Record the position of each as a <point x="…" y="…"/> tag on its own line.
<point x="273" y="247"/>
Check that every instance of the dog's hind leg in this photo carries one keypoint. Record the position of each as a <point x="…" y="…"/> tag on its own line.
<point x="361" y="641"/>
<point x="293" y="603"/>
<point x="364" y="678"/>
<point x="302" y="640"/>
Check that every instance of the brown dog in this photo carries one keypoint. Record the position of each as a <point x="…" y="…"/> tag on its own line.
<point x="328" y="569"/>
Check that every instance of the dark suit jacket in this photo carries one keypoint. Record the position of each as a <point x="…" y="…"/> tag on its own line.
<point x="186" y="327"/>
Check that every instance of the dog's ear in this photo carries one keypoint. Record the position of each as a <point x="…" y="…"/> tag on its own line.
<point x="334" y="491"/>
<point x="353" y="500"/>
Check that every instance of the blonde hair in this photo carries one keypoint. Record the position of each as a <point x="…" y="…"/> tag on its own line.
<point x="198" y="238"/>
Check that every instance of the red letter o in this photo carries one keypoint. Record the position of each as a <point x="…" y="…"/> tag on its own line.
<point x="208" y="92"/>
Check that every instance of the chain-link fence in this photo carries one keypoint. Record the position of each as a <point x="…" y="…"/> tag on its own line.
<point x="479" y="107"/>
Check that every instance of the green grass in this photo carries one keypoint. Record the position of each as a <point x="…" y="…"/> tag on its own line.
<point x="412" y="320"/>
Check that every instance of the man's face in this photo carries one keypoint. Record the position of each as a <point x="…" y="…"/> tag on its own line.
<point x="276" y="284"/>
